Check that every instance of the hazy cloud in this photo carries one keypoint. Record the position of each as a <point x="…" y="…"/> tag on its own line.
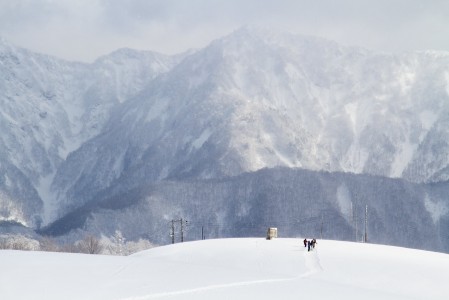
<point x="85" y="29"/>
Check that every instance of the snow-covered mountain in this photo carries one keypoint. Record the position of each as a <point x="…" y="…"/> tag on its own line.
<point x="254" y="100"/>
<point x="49" y="108"/>
<point x="76" y="133"/>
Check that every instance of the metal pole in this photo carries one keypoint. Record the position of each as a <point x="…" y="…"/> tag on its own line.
<point x="172" y="233"/>
<point x="182" y="231"/>
<point x="366" y="223"/>
<point x="355" y="221"/>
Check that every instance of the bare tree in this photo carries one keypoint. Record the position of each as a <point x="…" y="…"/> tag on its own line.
<point x="139" y="245"/>
<point x="48" y="244"/>
<point x="17" y="242"/>
<point x="4" y="244"/>
<point x="118" y="246"/>
<point x="90" y="245"/>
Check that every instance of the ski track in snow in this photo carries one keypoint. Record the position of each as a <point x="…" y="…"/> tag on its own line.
<point x="211" y="287"/>
<point x="312" y="263"/>
<point x="118" y="271"/>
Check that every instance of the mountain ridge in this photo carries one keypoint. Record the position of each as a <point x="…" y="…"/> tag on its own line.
<point x="248" y="101"/>
<point x="50" y="107"/>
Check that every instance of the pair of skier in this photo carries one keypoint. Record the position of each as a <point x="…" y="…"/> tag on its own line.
<point x="309" y="244"/>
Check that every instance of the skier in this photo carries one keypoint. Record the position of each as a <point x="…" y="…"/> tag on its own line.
<point x="305" y="242"/>
<point x="308" y="245"/>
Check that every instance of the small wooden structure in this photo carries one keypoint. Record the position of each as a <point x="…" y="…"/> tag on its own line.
<point x="272" y="233"/>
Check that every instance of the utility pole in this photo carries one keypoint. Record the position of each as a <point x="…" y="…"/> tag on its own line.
<point x="172" y="231"/>
<point x="183" y="225"/>
<point x="366" y="223"/>
<point x="182" y="229"/>
<point x="356" y="222"/>
<point x="354" y="219"/>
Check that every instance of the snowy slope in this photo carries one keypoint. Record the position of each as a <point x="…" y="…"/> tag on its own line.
<point x="230" y="269"/>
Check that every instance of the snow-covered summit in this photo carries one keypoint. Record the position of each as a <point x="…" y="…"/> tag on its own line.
<point x="264" y="100"/>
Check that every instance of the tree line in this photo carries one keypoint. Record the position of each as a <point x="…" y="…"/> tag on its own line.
<point x="89" y="244"/>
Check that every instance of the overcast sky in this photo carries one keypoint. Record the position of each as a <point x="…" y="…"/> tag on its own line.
<point x="85" y="29"/>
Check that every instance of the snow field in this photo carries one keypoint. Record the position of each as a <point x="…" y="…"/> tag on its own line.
<point x="250" y="268"/>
